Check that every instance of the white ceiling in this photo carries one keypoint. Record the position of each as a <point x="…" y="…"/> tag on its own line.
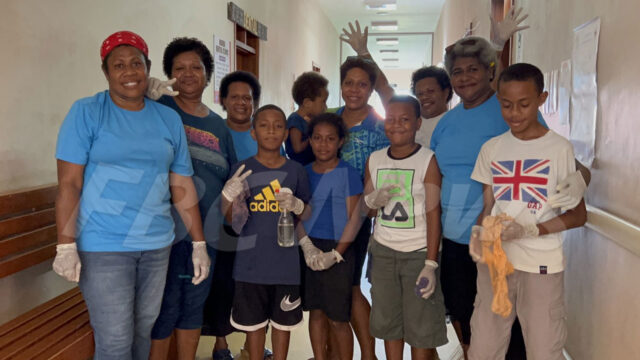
<point x="413" y="16"/>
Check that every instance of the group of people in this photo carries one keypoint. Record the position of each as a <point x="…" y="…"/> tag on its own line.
<point x="169" y="216"/>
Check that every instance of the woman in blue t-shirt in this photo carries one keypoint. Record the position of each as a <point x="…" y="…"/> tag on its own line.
<point x="122" y="160"/>
<point x="359" y="77"/>
<point x="336" y="187"/>
<point x="456" y="141"/>
<point x="189" y="64"/>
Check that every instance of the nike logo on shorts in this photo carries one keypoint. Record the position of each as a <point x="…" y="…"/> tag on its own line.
<point x="287" y="305"/>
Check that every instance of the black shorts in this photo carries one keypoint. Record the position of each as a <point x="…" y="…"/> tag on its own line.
<point x="360" y="247"/>
<point x="257" y="305"/>
<point x="330" y="290"/>
<point x="458" y="275"/>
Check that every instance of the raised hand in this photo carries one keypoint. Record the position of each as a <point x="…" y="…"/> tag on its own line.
<point x="502" y="31"/>
<point x="233" y="187"/>
<point x="356" y="38"/>
<point x="156" y="88"/>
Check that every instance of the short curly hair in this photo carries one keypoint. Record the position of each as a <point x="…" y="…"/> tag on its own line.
<point x="474" y="47"/>
<point x="240" y="76"/>
<point x="266" y="108"/>
<point x="432" y="72"/>
<point x="332" y="119"/>
<point x="308" y="86"/>
<point x="181" y="45"/>
<point x="523" y="72"/>
<point x="407" y="99"/>
<point x="365" y="65"/>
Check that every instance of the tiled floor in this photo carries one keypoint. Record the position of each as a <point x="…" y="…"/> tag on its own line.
<point x="300" y="346"/>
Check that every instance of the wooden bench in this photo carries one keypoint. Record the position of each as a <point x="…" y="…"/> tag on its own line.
<point x="59" y="328"/>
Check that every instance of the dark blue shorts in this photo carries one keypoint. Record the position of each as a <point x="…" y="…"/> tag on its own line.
<point x="182" y="302"/>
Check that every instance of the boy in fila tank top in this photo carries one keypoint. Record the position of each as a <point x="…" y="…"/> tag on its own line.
<point x="402" y="190"/>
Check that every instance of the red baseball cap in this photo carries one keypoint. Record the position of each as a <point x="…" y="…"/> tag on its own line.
<point x="123" y="38"/>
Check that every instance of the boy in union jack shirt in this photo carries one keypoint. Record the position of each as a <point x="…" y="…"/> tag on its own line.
<point x="520" y="170"/>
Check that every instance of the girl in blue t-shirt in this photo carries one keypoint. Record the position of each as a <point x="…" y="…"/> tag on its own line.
<point x="336" y="188"/>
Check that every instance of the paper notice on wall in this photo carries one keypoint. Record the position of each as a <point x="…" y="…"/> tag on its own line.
<point x="584" y="95"/>
<point x="564" y="92"/>
<point x="553" y="91"/>
<point x="222" y="64"/>
<point x="546" y="108"/>
<point x="519" y="47"/>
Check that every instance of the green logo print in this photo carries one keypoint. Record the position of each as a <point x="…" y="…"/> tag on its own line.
<point x="399" y="212"/>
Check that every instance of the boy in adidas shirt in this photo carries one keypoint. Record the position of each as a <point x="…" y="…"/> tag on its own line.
<point x="520" y="170"/>
<point x="267" y="276"/>
<point x="402" y="182"/>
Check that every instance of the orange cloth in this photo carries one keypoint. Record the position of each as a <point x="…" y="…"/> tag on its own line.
<point x="496" y="260"/>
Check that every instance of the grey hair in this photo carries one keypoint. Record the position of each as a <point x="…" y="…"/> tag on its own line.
<point x="471" y="46"/>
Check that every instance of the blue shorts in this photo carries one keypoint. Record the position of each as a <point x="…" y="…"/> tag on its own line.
<point x="183" y="302"/>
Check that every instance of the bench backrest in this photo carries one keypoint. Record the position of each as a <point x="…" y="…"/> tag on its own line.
<point x="27" y="228"/>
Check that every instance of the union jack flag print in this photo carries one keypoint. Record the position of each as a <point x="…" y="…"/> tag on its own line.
<point x="523" y="180"/>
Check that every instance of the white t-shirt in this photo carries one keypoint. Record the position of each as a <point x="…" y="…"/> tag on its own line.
<point x="402" y="224"/>
<point x="523" y="175"/>
<point x="423" y="135"/>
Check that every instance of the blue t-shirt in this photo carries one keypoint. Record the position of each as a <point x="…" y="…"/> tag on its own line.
<point x="305" y="156"/>
<point x="363" y="139"/>
<point x="456" y="141"/>
<point x="212" y="155"/>
<point x="329" y="200"/>
<point x="244" y="144"/>
<point x="259" y="258"/>
<point x="125" y="203"/>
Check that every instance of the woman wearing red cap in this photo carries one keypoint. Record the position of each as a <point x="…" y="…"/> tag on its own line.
<point x="122" y="161"/>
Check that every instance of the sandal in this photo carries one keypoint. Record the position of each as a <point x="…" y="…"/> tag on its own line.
<point x="268" y="355"/>
<point x="222" y="354"/>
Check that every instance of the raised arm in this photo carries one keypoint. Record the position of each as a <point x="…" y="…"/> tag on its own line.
<point x="502" y="31"/>
<point x="358" y="42"/>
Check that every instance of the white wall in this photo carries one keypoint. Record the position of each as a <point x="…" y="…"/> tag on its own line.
<point x="602" y="287"/>
<point x="51" y="58"/>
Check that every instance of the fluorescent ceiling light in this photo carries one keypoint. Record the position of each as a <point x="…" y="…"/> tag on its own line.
<point x="385" y="7"/>
<point x="390" y="59"/>
<point x="380" y="5"/>
<point x="391" y="25"/>
<point x="389" y="51"/>
<point x="387" y="41"/>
